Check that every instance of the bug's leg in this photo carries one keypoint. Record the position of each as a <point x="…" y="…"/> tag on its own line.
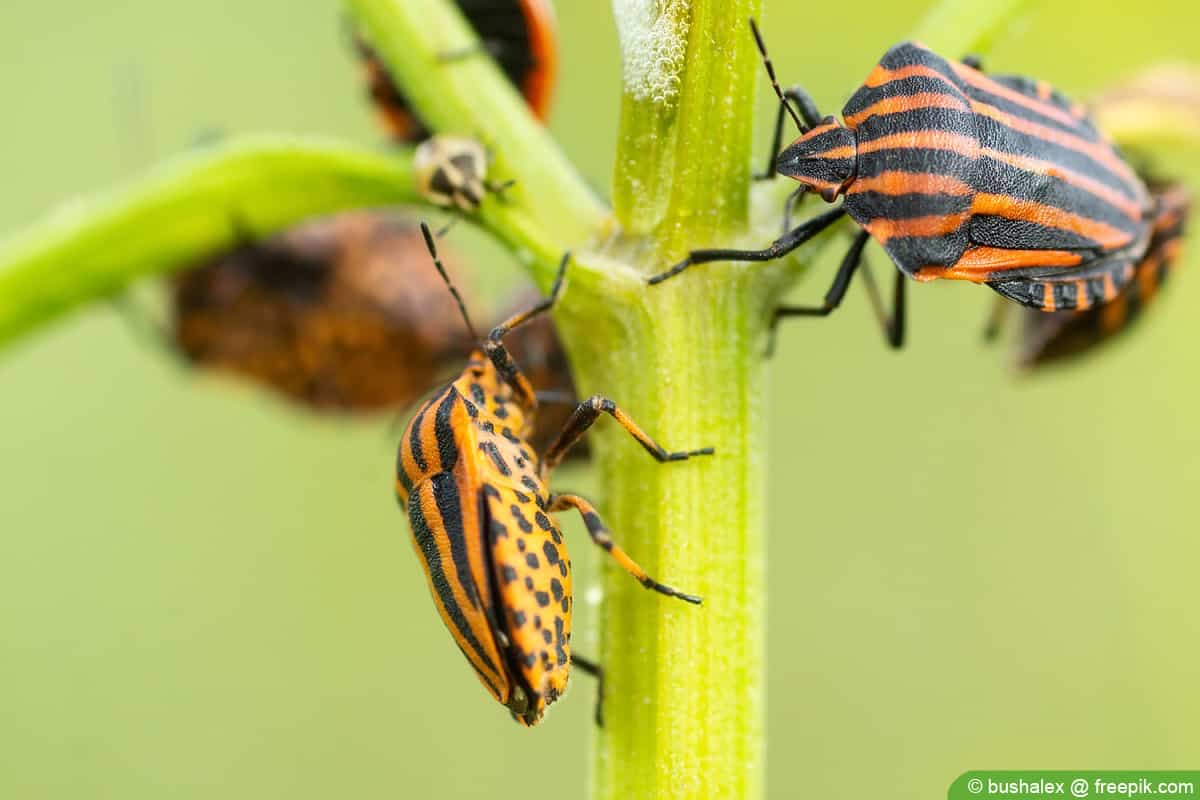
<point x="974" y="61"/>
<point x="585" y="416"/>
<point x="602" y="538"/>
<point x="589" y="667"/>
<point x="892" y="325"/>
<point x="997" y="318"/>
<point x="495" y="350"/>
<point x="498" y="189"/>
<point x="808" y="113"/>
<point x="833" y="297"/>
<point x="449" y="226"/>
<point x="789" y="206"/>
<point x="778" y="248"/>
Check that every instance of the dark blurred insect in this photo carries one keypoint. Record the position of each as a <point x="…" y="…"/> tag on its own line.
<point x="519" y="34"/>
<point x="994" y="180"/>
<point x="1046" y="338"/>
<point x="480" y="510"/>
<point x="333" y="314"/>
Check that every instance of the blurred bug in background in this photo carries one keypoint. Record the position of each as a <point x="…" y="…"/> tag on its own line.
<point x="1172" y="91"/>
<point x="335" y="315"/>
<point x="521" y="36"/>
<point x="1049" y="337"/>
<point x="327" y="314"/>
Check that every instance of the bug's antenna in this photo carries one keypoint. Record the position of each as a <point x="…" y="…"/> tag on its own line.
<point x="762" y="48"/>
<point x="441" y="268"/>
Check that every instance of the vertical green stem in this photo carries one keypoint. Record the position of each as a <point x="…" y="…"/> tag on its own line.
<point x="684" y="685"/>
<point x="683" y="156"/>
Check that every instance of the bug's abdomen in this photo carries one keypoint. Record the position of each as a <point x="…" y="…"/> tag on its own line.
<point x="532" y="570"/>
<point x="1047" y="175"/>
<point x="991" y="180"/>
<point x="438" y="483"/>
<point x="1048" y="337"/>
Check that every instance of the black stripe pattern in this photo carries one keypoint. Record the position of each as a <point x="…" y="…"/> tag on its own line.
<point x="949" y="160"/>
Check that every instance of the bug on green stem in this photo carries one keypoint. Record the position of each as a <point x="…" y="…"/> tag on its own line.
<point x="480" y="510"/>
<point x="998" y="180"/>
<point x="452" y="172"/>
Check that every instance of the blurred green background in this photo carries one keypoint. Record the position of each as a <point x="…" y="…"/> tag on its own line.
<point x="205" y="593"/>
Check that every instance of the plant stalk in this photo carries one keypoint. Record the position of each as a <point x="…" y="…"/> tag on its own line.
<point x="684" y="684"/>
<point x="185" y="210"/>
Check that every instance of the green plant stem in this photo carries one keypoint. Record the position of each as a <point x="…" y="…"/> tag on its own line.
<point x="423" y="42"/>
<point x="683" y="157"/>
<point x="189" y="208"/>
<point x="684" y="685"/>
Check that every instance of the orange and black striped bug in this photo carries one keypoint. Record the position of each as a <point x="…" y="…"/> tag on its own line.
<point x="1049" y="338"/>
<point x="996" y="180"/>
<point x="481" y="516"/>
<point x="322" y="315"/>
<point x="519" y="34"/>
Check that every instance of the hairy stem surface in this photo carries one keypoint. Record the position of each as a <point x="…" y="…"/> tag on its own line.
<point x="684" y="684"/>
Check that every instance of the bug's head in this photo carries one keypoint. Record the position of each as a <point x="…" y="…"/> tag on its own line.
<point x="823" y="159"/>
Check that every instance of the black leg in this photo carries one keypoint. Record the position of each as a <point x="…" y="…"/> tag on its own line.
<point x="586" y="413"/>
<point x="997" y="318"/>
<point x="833" y="297"/>
<point x="494" y="348"/>
<point x="974" y="61"/>
<point x="892" y="325"/>
<point x="589" y="667"/>
<point x="455" y="216"/>
<point x="601" y="537"/>
<point x="808" y="113"/>
<point x="789" y="206"/>
<point x="779" y="248"/>
<point x="498" y="189"/>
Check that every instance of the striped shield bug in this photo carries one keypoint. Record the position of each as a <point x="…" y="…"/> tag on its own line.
<point x="519" y="34"/>
<point x="482" y="518"/>
<point x="996" y="180"/>
<point x="322" y="315"/>
<point x="1048" y="338"/>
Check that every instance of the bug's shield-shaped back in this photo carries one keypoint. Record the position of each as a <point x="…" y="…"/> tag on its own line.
<point x="445" y="512"/>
